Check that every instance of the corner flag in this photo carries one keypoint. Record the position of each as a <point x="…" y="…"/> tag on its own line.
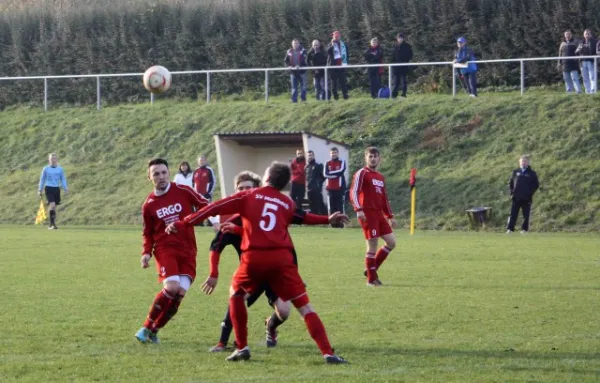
<point x="41" y="214"/>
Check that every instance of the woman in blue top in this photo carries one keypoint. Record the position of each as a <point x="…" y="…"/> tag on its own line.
<point x="52" y="178"/>
<point x="464" y="55"/>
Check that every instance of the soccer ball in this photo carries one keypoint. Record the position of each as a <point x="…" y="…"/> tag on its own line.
<point x="157" y="79"/>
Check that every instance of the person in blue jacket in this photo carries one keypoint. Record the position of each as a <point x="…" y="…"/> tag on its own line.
<point x="52" y="178"/>
<point x="464" y="55"/>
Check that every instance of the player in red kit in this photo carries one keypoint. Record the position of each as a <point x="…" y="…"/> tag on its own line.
<point x="370" y="201"/>
<point x="175" y="254"/>
<point x="267" y="254"/>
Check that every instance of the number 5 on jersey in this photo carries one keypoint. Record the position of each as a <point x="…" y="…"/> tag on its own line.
<point x="269" y="218"/>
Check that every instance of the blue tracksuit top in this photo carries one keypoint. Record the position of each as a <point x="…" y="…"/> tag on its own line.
<point x="53" y="176"/>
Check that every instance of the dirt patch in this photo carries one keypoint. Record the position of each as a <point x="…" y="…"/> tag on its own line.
<point x="471" y="125"/>
<point x="433" y="138"/>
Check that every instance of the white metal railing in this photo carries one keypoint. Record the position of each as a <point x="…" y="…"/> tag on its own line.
<point x="389" y="66"/>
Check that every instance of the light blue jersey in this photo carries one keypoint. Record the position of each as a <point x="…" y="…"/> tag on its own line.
<point x="53" y="176"/>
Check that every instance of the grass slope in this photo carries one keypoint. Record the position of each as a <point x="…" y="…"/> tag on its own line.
<point x="456" y="307"/>
<point x="464" y="150"/>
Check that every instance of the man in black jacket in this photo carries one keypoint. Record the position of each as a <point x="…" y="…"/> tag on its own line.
<point x="314" y="184"/>
<point x="318" y="57"/>
<point x="402" y="54"/>
<point x="522" y="184"/>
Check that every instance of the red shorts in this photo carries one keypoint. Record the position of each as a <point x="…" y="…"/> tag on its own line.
<point x="275" y="268"/>
<point x="375" y="224"/>
<point x="172" y="262"/>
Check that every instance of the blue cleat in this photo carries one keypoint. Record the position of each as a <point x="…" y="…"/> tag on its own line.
<point x="143" y="335"/>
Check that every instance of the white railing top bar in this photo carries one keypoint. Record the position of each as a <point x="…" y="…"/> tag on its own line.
<point x="283" y="69"/>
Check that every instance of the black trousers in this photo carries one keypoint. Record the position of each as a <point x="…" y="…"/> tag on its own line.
<point x="297" y="192"/>
<point x="315" y="202"/>
<point x="338" y="77"/>
<point x="525" y="207"/>
<point x="399" y="81"/>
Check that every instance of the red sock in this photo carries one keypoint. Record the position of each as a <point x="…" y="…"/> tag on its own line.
<point x="161" y="302"/>
<point x="168" y="313"/>
<point x="316" y="329"/>
<point x="371" y="267"/>
<point x="239" y="318"/>
<point x="382" y="254"/>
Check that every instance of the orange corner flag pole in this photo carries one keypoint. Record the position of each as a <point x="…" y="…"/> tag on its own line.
<point x="413" y="199"/>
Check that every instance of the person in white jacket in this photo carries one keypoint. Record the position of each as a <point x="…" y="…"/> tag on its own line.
<point x="184" y="175"/>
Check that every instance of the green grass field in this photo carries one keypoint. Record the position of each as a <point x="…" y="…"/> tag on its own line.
<point x="456" y="307"/>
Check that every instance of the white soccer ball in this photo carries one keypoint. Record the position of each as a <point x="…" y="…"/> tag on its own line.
<point x="157" y="79"/>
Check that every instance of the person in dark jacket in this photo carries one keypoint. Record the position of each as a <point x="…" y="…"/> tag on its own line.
<point x="337" y="56"/>
<point x="318" y="57"/>
<point x="523" y="184"/>
<point x="587" y="47"/>
<point x="314" y="184"/>
<point x="374" y="55"/>
<point x="402" y="54"/>
<point x="298" y="181"/>
<point x="295" y="58"/>
<point x="569" y="67"/>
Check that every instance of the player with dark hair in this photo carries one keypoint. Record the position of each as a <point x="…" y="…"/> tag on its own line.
<point x="267" y="255"/>
<point x="175" y="254"/>
<point x="230" y="233"/>
<point x="370" y="201"/>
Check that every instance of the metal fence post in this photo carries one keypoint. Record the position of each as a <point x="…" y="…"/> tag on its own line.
<point x="266" y="86"/>
<point x="45" y="94"/>
<point x="390" y="81"/>
<point x="98" y="98"/>
<point x="453" y="81"/>
<point x="522" y="77"/>
<point x="207" y="87"/>
<point x="595" y="74"/>
<point x="151" y="98"/>
<point x="326" y="86"/>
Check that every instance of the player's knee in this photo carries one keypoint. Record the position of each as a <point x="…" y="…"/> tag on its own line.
<point x="181" y="293"/>
<point x="237" y="293"/>
<point x="172" y="288"/>
<point x="306" y="309"/>
<point x="390" y="243"/>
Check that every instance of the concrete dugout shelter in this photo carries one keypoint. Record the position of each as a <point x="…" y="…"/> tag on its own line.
<point x="255" y="151"/>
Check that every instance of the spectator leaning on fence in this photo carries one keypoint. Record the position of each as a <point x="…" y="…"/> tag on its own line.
<point x="569" y="67"/>
<point x="318" y="57"/>
<point x="402" y="54"/>
<point x="337" y="55"/>
<point x="587" y="47"/>
<point x="295" y="58"/>
<point x="465" y="56"/>
<point x="374" y="55"/>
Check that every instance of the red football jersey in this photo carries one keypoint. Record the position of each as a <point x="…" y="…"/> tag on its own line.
<point x="159" y="211"/>
<point x="266" y="214"/>
<point x="297" y="166"/>
<point x="368" y="192"/>
<point x="204" y="180"/>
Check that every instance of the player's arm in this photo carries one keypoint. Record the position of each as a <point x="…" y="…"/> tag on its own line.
<point x="196" y="199"/>
<point x="355" y="189"/>
<point x="536" y="183"/>
<point x="387" y="209"/>
<point x="42" y="181"/>
<point x="147" y="238"/>
<point x="302" y="217"/>
<point x="63" y="180"/>
<point x="221" y="240"/>
<point x="340" y="171"/>
<point x="229" y="205"/>
<point x="511" y="183"/>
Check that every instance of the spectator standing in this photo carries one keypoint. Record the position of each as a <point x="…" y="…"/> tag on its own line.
<point x="298" y="186"/>
<point x="402" y="54"/>
<point x="51" y="179"/>
<point x="337" y="56"/>
<point x="295" y="59"/>
<point x="569" y="67"/>
<point x="587" y="47"/>
<point x="204" y="180"/>
<point x="318" y="57"/>
<point x="184" y="175"/>
<point x="374" y="55"/>
<point x="314" y="184"/>
<point x="334" y="171"/>
<point x="464" y="55"/>
<point x="523" y="184"/>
